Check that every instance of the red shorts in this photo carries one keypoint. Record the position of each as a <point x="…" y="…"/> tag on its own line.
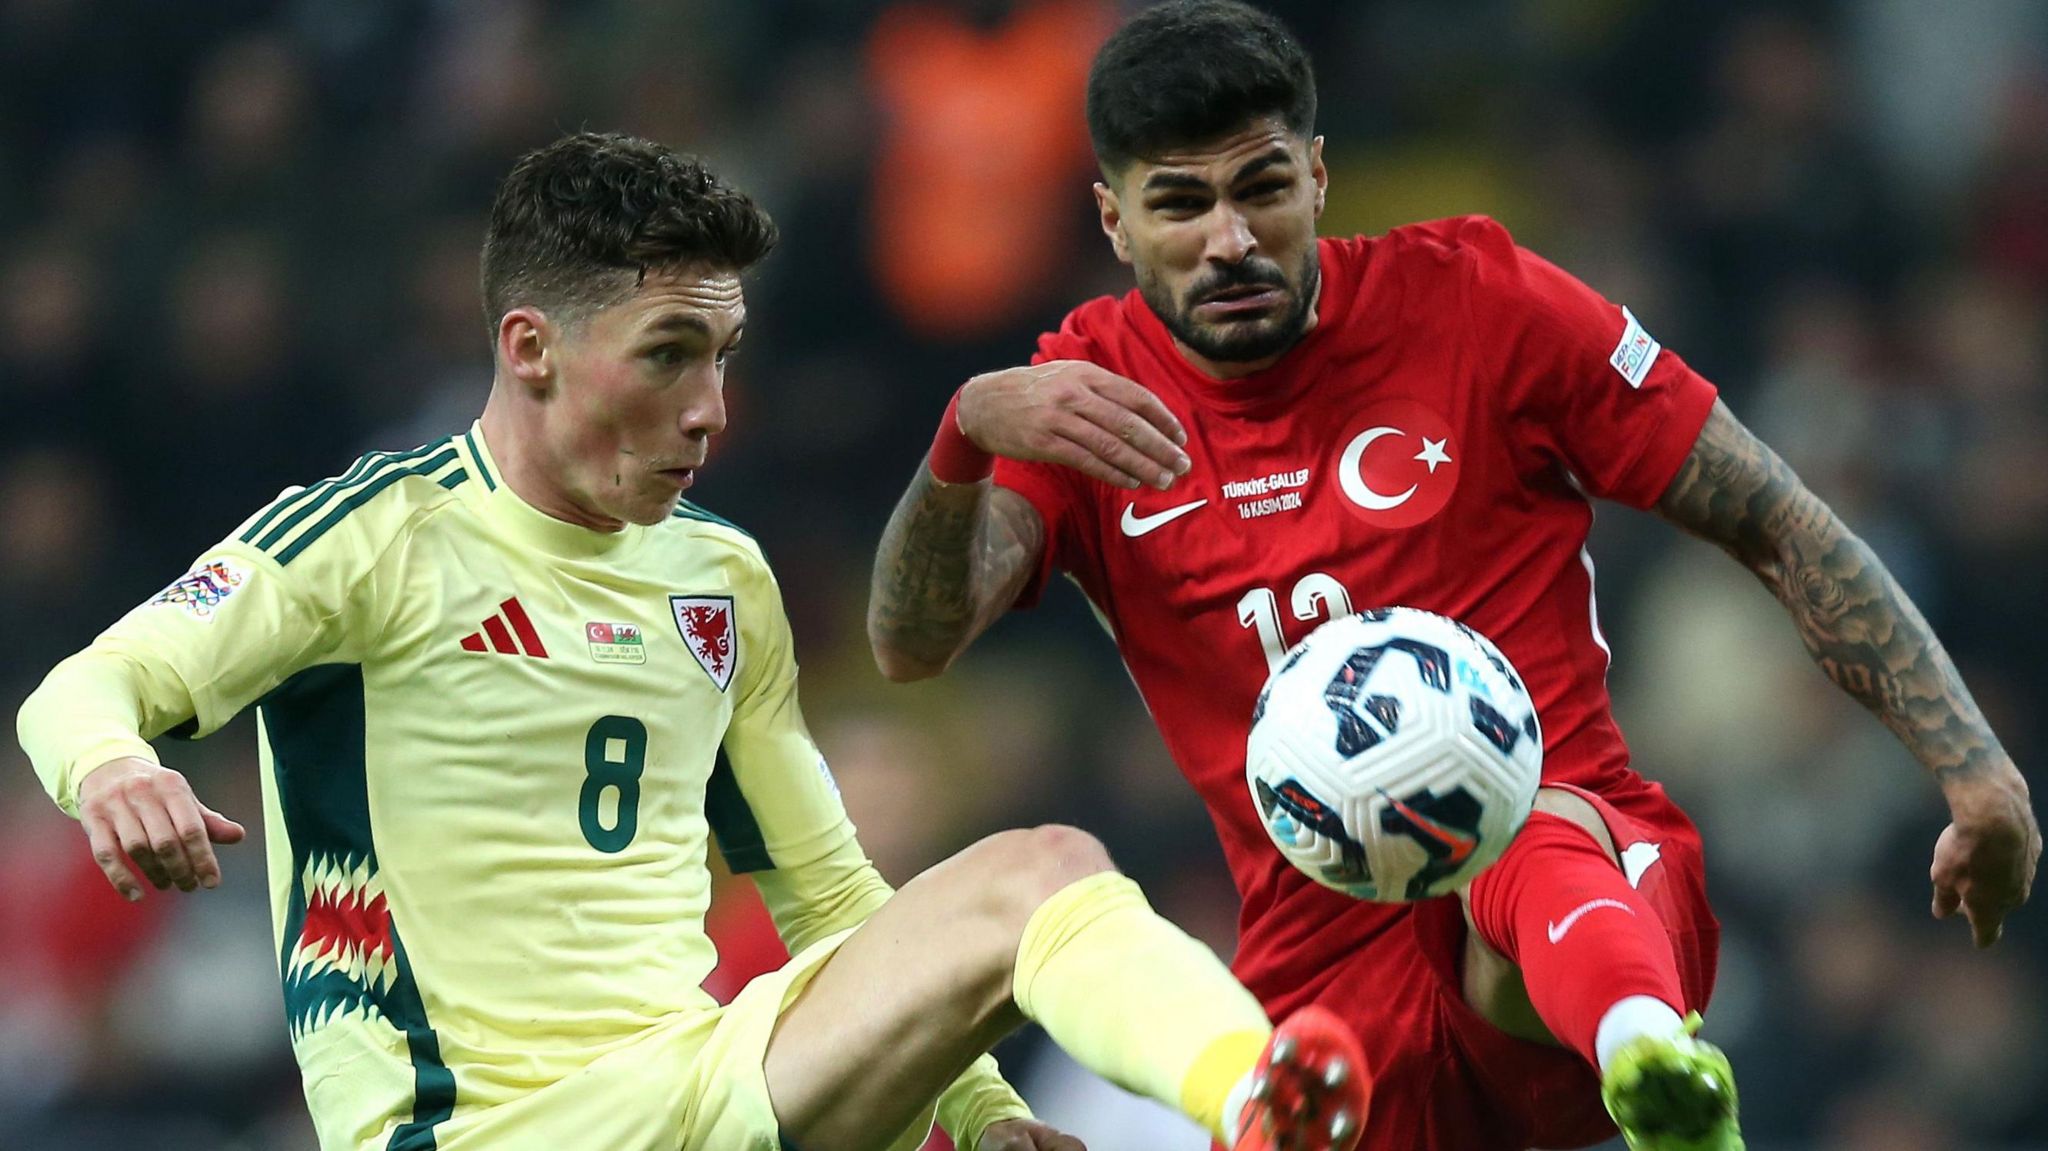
<point x="1447" y="1080"/>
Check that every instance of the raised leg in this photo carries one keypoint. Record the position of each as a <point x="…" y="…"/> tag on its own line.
<point x="1026" y="923"/>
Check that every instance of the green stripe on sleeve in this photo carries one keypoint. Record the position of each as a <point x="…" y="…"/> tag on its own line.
<point x="310" y="491"/>
<point x="363" y="494"/>
<point x="381" y="469"/>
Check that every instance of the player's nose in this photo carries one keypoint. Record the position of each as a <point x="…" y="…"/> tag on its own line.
<point x="704" y="412"/>
<point x="1230" y="237"/>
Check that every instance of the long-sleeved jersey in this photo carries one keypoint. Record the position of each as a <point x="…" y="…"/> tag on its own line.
<point x="496" y="747"/>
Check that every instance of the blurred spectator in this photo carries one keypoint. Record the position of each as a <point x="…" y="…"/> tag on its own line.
<point x="53" y="360"/>
<point x="58" y="528"/>
<point x="2011" y="221"/>
<point x="1780" y="185"/>
<point x="67" y="941"/>
<point x="982" y="143"/>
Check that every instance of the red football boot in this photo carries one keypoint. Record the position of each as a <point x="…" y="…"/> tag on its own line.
<point x="1309" y="1090"/>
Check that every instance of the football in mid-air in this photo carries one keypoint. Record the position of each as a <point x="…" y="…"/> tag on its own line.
<point x="1393" y="754"/>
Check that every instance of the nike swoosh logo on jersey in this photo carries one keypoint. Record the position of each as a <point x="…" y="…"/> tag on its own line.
<point x="1135" y="525"/>
<point x="1557" y="931"/>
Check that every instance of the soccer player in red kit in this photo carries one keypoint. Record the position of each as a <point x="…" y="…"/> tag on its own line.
<point x="1276" y="429"/>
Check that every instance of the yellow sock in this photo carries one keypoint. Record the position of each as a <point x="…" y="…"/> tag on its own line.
<point x="1205" y="1090"/>
<point x="1136" y="1000"/>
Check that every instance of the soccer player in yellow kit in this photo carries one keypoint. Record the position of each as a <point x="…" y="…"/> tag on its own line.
<point x="510" y="686"/>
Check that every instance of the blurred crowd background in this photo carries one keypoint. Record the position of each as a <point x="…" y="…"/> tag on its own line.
<point x="238" y="246"/>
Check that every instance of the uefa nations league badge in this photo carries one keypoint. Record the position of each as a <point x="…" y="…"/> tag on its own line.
<point x="615" y="642"/>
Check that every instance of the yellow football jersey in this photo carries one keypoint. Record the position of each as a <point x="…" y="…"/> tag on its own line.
<point x="496" y="747"/>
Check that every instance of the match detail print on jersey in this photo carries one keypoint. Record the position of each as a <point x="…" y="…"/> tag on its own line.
<point x="1135" y="525"/>
<point x="710" y="629"/>
<point x="1265" y="495"/>
<point x="1397" y="464"/>
<point x="615" y="642"/>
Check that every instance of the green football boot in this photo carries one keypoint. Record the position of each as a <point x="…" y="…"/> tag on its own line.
<point x="1674" y="1094"/>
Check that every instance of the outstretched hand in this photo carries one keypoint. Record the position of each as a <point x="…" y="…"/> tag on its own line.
<point x="144" y="823"/>
<point x="1026" y="1135"/>
<point x="1984" y="861"/>
<point x="1075" y="413"/>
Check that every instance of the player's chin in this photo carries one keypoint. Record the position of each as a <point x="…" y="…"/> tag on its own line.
<point x="652" y="508"/>
<point x="1242" y="340"/>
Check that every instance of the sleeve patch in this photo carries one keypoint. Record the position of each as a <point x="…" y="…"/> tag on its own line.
<point x="1635" y="353"/>
<point x="199" y="591"/>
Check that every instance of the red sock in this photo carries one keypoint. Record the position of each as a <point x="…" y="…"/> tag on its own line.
<point x="1557" y="907"/>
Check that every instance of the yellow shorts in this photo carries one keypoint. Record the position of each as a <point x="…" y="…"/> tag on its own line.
<point x="695" y="1086"/>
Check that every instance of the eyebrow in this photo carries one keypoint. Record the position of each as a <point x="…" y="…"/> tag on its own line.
<point x="1168" y="179"/>
<point x="675" y="320"/>
<point x="1161" y="181"/>
<point x="1274" y="158"/>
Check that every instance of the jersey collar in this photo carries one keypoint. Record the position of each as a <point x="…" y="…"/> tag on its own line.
<point x="527" y="524"/>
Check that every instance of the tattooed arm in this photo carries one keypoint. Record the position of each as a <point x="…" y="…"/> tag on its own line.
<point x="1858" y="625"/>
<point x="955" y="556"/>
<point x="953" y="559"/>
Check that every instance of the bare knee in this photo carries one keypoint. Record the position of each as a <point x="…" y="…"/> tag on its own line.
<point x="1023" y="868"/>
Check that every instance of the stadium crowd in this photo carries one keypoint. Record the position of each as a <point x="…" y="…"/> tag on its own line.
<point x="238" y="247"/>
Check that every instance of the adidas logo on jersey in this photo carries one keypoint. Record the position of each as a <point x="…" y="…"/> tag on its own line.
<point x="517" y="639"/>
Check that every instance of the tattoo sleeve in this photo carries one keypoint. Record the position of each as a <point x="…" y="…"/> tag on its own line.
<point x="1856" y="621"/>
<point x="953" y="558"/>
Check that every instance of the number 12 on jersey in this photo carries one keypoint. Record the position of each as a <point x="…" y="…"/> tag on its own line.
<point x="1316" y="595"/>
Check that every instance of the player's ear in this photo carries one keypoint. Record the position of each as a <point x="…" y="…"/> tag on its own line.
<point x="1318" y="173"/>
<point x="523" y="346"/>
<point x="1112" y="221"/>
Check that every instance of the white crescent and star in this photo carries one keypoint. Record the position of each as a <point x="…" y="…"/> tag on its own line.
<point x="1353" y="480"/>
<point x="1433" y="453"/>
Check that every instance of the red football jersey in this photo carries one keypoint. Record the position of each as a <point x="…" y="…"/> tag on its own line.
<point x="1432" y="442"/>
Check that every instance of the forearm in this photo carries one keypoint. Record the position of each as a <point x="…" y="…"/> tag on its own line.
<point x="88" y="711"/>
<point x="1864" y="631"/>
<point x="1857" y="623"/>
<point x="931" y="594"/>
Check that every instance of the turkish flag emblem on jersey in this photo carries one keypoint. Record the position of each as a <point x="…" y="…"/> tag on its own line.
<point x="711" y="631"/>
<point x="1397" y="464"/>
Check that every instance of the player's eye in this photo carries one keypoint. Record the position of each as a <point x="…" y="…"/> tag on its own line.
<point x="1180" y="205"/>
<point x="666" y="355"/>
<point x="727" y="353"/>
<point x="1266" y="189"/>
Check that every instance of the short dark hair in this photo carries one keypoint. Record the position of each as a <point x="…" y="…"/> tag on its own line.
<point x="579" y="223"/>
<point x="1189" y="71"/>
